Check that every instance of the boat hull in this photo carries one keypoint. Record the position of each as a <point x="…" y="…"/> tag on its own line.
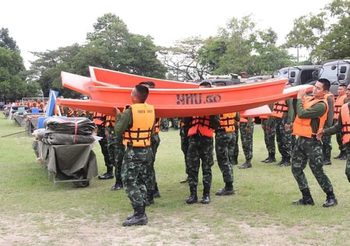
<point x="130" y="80"/>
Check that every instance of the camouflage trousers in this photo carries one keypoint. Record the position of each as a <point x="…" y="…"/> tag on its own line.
<point x="135" y="178"/>
<point x="234" y="151"/>
<point x="309" y="149"/>
<point x="327" y="147"/>
<point x="222" y="141"/>
<point x="247" y="130"/>
<point x="339" y="136"/>
<point x="347" y="167"/>
<point x="104" y="147"/>
<point x="184" y="145"/>
<point x="116" y="151"/>
<point x="164" y="124"/>
<point x="155" y="141"/>
<point x="284" y="138"/>
<point x="269" y="128"/>
<point x="200" y="149"/>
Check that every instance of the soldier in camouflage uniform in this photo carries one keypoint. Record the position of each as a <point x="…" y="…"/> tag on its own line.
<point x="184" y="144"/>
<point x="283" y="115"/>
<point x="100" y="120"/>
<point x="247" y="129"/>
<point x="175" y="123"/>
<point x="155" y="141"/>
<point x="116" y="151"/>
<point x="200" y="148"/>
<point x="225" y="135"/>
<point x="269" y="129"/>
<point x="135" y="126"/>
<point x="342" y="127"/>
<point x="233" y="147"/>
<point x="164" y="125"/>
<point x="326" y="139"/>
<point x="341" y="99"/>
<point x="311" y="116"/>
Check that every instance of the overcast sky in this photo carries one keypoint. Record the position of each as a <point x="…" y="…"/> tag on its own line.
<point x="39" y="25"/>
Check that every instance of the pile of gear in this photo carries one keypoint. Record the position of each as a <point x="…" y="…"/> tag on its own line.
<point x="65" y="131"/>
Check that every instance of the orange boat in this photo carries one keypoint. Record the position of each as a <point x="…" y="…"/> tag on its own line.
<point x="182" y="102"/>
<point x="130" y="80"/>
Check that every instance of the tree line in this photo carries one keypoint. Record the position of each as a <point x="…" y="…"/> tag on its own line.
<point x="238" y="46"/>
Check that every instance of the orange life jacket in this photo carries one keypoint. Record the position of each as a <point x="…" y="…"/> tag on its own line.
<point x="337" y="106"/>
<point x="279" y="109"/>
<point x="245" y="120"/>
<point x="201" y="125"/>
<point x="345" y="120"/>
<point x="143" y="117"/>
<point x="227" y="122"/>
<point x="110" y="121"/>
<point x="99" y="118"/>
<point x="302" y="127"/>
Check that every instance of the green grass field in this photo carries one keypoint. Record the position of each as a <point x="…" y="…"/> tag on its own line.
<point x="34" y="211"/>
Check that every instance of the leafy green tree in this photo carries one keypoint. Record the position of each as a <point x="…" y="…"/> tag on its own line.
<point x="240" y="47"/>
<point x="182" y="60"/>
<point x="13" y="84"/>
<point x="326" y="34"/>
<point x="6" y="41"/>
<point x="126" y="52"/>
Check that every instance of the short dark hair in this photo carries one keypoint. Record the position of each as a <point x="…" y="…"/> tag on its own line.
<point x="326" y="84"/>
<point x="142" y="92"/>
<point x="150" y="84"/>
<point x="205" y="83"/>
<point x="342" y="85"/>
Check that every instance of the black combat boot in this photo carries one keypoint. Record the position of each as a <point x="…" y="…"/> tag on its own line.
<point x="226" y="191"/>
<point x="330" y="201"/>
<point x="343" y="155"/>
<point x="108" y="174"/>
<point x="138" y="218"/>
<point x="286" y="162"/>
<point x="271" y="158"/>
<point x="193" y="197"/>
<point x="156" y="193"/>
<point x="206" y="195"/>
<point x="340" y="155"/>
<point x="306" y="199"/>
<point x="117" y="186"/>
<point x="245" y="165"/>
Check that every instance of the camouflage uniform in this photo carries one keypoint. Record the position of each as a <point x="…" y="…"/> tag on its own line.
<point x="247" y="130"/>
<point x="233" y="146"/>
<point x="200" y="148"/>
<point x="116" y="151"/>
<point x="135" y="174"/>
<point x="136" y="165"/>
<point x="222" y="141"/>
<point x="326" y="139"/>
<point x="175" y="123"/>
<point x="155" y="141"/>
<point x="335" y="129"/>
<point x="100" y="120"/>
<point x="310" y="149"/>
<point x="269" y="128"/>
<point x="184" y="141"/>
<point x="164" y="125"/>
<point x="283" y="135"/>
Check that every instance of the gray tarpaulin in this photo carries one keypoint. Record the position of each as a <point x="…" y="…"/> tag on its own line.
<point x="66" y="162"/>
